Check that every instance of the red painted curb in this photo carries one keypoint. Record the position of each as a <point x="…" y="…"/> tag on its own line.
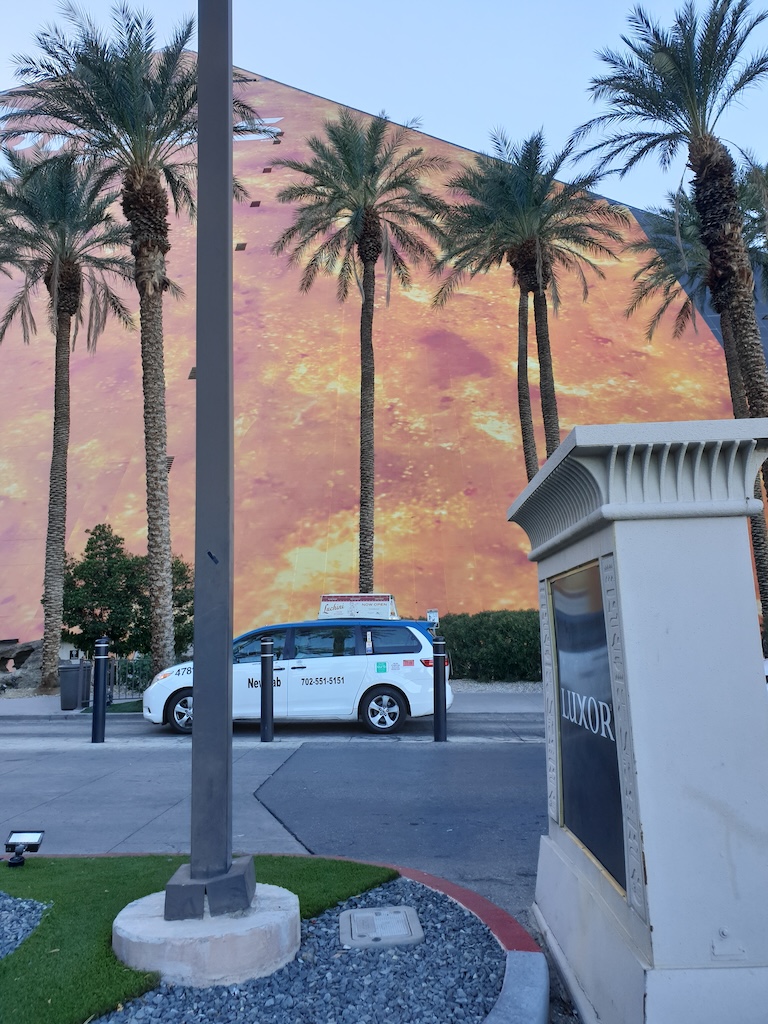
<point x="509" y="931"/>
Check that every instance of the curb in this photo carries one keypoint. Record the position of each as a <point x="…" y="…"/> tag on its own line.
<point x="62" y="716"/>
<point x="524" y="997"/>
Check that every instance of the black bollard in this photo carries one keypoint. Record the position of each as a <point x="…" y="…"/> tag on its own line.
<point x="267" y="725"/>
<point x="100" y="659"/>
<point x="440" y="719"/>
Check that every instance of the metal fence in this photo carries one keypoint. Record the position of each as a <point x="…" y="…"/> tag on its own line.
<point x="128" y="678"/>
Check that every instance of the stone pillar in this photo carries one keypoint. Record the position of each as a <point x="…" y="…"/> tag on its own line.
<point x="652" y="885"/>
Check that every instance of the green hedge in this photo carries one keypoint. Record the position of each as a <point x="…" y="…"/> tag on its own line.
<point x="493" y="646"/>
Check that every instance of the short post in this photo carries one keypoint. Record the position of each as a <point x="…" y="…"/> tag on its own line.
<point x="440" y="718"/>
<point x="100" y="660"/>
<point x="267" y="725"/>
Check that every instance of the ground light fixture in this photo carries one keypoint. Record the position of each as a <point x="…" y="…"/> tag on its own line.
<point x="19" y="843"/>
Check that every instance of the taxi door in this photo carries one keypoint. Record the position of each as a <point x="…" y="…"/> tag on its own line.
<point x="246" y="675"/>
<point x="326" y="672"/>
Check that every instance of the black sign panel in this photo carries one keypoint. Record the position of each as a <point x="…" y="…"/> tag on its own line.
<point x="588" y="751"/>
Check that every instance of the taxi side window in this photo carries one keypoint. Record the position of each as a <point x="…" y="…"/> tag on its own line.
<point x="249" y="649"/>
<point x="324" y="642"/>
<point x="394" y="640"/>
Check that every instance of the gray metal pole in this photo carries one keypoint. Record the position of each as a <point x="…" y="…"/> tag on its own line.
<point x="100" y="659"/>
<point x="440" y="719"/>
<point x="211" y="846"/>
<point x="267" y="722"/>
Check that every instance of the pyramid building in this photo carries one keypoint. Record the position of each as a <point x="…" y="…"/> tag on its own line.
<point x="448" y="455"/>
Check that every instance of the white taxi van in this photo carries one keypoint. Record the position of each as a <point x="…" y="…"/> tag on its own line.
<point x="339" y="667"/>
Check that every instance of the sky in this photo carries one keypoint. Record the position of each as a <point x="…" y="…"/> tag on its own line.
<point x="462" y="69"/>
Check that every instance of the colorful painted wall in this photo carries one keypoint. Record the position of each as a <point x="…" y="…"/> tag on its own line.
<point x="448" y="461"/>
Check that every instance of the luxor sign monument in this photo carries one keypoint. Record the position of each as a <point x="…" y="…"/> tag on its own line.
<point x="652" y="880"/>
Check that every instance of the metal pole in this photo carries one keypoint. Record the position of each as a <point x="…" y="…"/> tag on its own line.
<point x="440" y="719"/>
<point x="267" y="725"/>
<point x="211" y="872"/>
<point x="100" y="659"/>
<point x="211" y="845"/>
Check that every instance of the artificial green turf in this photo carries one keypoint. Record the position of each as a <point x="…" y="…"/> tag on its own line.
<point x="66" y="973"/>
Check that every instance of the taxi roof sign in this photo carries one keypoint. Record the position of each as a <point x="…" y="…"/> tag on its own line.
<point x="358" y="606"/>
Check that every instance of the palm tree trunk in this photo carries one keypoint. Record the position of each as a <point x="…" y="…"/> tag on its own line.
<point x="53" y="577"/>
<point x="546" y="374"/>
<point x="523" y="390"/>
<point x="159" y="567"/>
<point x="367" y="390"/>
<point x="731" y="281"/>
<point x="145" y="205"/>
<point x="757" y="525"/>
<point x="733" y="369"/>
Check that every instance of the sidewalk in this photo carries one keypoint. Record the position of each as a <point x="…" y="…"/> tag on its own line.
<point x="12" y="706"/>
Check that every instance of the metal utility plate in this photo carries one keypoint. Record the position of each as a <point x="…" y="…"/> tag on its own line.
<point x="380" y="926"/>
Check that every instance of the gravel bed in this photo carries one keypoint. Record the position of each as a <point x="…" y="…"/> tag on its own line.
<point x="18" y="919"/>
<point x="454" y="976"/>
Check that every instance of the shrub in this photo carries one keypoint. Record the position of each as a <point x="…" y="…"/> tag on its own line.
<point x="491" y="646"/>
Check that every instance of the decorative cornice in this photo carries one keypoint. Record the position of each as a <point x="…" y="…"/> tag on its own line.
<point x="602" y="474"/>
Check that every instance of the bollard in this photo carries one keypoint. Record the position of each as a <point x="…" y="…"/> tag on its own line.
<point x="100" y="659"/>
<point x="267" y="724"/>
<point x="440" y="720"/>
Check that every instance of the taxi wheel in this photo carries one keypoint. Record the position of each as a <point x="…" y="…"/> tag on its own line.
<point x="383" y="710"/>
<point x="179" y="711"/>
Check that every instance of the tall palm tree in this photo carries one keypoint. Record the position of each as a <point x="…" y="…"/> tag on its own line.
<point x="676" y="270"/>
<point x="361" y="198"/>
<point x="515" y="209"/>
<point x="668" y="90"/>
<point x="56" y="227"/>
<point x="133" y="110"/>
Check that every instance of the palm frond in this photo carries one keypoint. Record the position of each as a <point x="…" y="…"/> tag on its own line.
<point x="359" y="166"/>
<point x="514" y="208"/>
<point x="671" y="86"/>
<point x="58" y="226"/>
<point x="676" y="265"/>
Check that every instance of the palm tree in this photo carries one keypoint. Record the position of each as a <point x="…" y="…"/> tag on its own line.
<point x="514" y="209"/>
<point x="669" y="90"/>
<point x="676" y="270"/>
<point x="134" y="111"/>
<point x="361" y="198"/>
<point x="58" y="231"/>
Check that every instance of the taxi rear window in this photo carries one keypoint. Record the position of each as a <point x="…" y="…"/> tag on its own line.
<point x="394" y="640"/>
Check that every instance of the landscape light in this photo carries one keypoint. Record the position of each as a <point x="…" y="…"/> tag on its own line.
<point x="19" y="843"/>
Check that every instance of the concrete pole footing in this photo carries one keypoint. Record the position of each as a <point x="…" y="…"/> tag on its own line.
<point x="224" y="950"/>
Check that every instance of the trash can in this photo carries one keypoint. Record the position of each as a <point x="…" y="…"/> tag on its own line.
<point x="85" y="682"/>
<point x="70" y="684"/>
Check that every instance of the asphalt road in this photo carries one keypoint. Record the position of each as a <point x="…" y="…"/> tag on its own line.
<point x="470" y="810"/>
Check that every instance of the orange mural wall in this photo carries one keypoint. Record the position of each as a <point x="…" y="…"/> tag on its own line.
<point x="448" y="457"/>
